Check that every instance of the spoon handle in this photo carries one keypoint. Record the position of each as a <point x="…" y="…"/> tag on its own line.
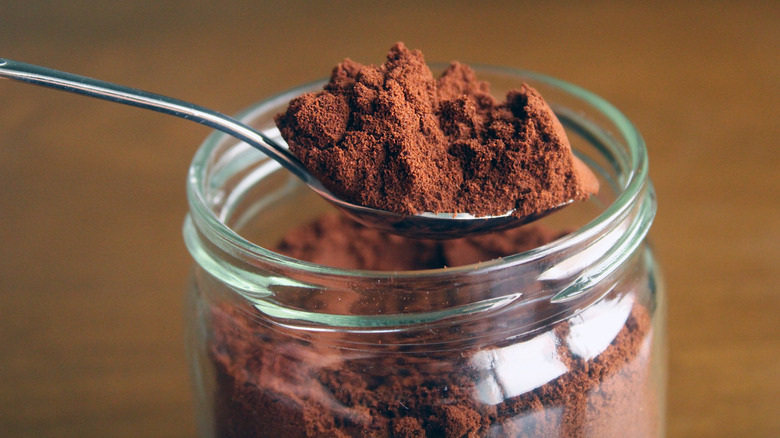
<point x="46" y="77"/>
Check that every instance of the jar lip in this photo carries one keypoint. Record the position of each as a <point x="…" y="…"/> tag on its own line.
<point x="635" y="182"/>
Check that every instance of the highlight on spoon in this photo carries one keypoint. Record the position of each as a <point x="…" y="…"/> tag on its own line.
<point x="438" y="226"/>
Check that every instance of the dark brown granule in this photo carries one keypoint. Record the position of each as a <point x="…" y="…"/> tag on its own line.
<point x="393" y="137"/>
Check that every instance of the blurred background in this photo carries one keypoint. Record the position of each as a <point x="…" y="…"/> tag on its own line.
<point x="92" y="264"/>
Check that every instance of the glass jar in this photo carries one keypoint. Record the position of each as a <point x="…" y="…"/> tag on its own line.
<point x="562" y="340"/>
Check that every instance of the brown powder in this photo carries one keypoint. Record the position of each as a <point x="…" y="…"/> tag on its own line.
<point x="333" y="240"/>
<point x="393" y="137"/>
<point x="276" y="382"/>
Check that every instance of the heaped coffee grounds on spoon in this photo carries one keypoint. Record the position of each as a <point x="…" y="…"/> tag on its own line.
<point x="395" y="138"/>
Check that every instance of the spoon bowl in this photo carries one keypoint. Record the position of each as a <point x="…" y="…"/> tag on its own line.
<point x="424" y="225"/>
<point x="437" y="226"/>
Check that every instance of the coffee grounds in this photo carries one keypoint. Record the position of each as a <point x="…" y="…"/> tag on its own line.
<point x="334" y="240"/>
<point x="395" y="138"/>
<point x="275" y="382"/>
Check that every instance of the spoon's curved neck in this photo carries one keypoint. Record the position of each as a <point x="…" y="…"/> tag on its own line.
<point x="72" y="83"/>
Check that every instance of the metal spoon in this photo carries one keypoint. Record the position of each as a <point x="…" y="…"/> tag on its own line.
<point x="424" y="225"/>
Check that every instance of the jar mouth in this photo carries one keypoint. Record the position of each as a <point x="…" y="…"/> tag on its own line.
<point x="632" y="185"/>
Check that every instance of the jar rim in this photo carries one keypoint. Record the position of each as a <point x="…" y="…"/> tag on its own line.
<point x="632" y="189"/>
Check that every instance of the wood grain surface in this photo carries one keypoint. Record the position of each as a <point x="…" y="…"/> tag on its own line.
<point x="92" y="264"/>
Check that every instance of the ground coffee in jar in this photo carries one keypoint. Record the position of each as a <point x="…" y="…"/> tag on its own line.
<point x="573" y="378"/>
<point x="554" y="331"/>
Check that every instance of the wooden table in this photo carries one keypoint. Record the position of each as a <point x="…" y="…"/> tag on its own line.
<point x="92" y="194"/>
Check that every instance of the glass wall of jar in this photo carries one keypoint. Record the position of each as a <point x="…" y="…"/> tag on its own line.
<point x="561" y="340"/>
